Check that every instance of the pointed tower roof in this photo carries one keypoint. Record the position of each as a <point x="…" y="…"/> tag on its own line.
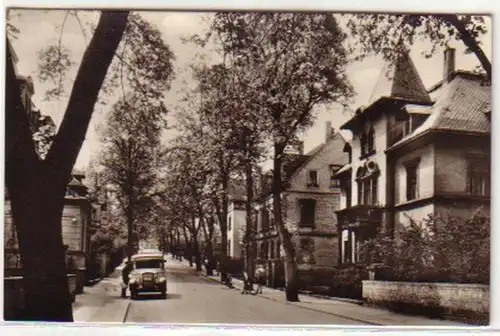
<point x="400" y="80"/>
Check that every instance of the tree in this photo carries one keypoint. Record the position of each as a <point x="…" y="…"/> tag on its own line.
<point x="131" y="161"/>
<point x="389" y="34"/>
<point x="225" y="110"/>
<point x="37" y="187"/>
<point x="296" y="61"/>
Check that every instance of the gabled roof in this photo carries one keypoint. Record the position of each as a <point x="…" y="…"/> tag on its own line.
<point x="462" y="106"/>
<point x="339" y="157"/>
<point x="400" y="81"/>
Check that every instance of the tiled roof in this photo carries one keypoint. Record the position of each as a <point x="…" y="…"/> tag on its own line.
<point x="401" y="81"/>
<point x="461" y="106"/>
<point x="292" y="162"/>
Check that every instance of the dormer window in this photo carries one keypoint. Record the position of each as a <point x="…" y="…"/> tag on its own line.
<point x="371" y="140"/>
<point x="313" y="178"/>
<point x="367" y="142"/>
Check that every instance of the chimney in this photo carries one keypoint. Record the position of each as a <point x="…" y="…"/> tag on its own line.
<point x="328" y="130"/>
<point x="449" y="63"/>
<point x="300" y="147"/>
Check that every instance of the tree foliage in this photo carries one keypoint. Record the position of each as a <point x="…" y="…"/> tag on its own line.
<point x="132" y="158"/>
<point x="437" y="249"/>
<point x="389" y="34"/>
<point x="142" y="64"/>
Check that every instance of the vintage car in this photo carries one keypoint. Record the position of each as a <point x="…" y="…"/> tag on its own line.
<point x="148" y="275"/>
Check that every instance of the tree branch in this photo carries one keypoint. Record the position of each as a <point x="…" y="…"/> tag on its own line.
<point x="469" y="41"/>
<point x="96" y="60"/>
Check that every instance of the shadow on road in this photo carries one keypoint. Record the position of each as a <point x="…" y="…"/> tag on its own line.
<point x="173" y="296"/>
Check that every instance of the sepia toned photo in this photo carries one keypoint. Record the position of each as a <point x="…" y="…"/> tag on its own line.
<point x="270" y="168"/>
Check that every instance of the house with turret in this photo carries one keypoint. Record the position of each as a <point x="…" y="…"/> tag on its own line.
<point x="414" y="152"/>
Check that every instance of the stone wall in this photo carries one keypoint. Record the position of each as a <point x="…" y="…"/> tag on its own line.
<point x="463" y="302"/>
<point x="14" y="296"/>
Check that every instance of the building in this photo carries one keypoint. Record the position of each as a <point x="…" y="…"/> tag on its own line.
<point x="310" y="196"/>
<point x="414" y="153"/>
<point x="236" y="220"/>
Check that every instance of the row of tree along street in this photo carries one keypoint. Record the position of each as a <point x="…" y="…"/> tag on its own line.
<point x="274" y="69"/>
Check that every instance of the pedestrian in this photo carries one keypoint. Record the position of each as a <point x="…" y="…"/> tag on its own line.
<point x="260" y="277"/>
<point x="126" y="277"/>
<point x="247" y="284"/>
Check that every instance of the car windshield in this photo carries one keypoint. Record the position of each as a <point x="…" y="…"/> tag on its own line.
<point x="151" y="263"/>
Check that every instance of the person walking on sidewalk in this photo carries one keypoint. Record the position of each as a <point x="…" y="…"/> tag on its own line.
<point x="126" y="277"/>
<point x="260" y="277"/>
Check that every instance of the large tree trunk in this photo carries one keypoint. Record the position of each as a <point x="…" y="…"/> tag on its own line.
<point x="38" y="214"/>
<point x="291" y="271"/>
<point x="196" y="252"/>
<point x="130" y="234"/>
<point x="249" y="227"/>
<point x="37" y="188"/>
<point x="208" y="231"/>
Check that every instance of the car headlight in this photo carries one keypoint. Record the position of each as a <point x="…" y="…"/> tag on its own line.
<point x="161" y="277"/>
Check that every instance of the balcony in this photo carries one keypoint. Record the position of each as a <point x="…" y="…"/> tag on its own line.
<point x="359" y="215"/>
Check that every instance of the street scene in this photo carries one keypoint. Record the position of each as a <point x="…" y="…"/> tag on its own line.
<point x="191" y="300"/>
<point x="269" y="168"/>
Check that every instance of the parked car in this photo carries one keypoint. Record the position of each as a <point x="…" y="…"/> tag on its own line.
<point x="148" y="275"/>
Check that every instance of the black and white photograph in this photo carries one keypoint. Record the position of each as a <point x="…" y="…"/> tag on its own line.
<point x="247" y="167"/>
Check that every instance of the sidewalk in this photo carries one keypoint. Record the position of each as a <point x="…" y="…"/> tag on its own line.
<point x="101" y="302"/>
<point x="347" y="308"/>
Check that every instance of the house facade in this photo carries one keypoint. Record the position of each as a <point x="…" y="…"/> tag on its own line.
<point x="415" y="152"/>
<point x="236" y="221"/>
<point x="310" y="197"/>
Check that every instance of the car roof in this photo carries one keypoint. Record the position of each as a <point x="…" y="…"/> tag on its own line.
<point x="147" y="256"/>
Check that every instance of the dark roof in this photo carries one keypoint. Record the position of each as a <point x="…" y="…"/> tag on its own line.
<point x="402" y="81"/>
<point x="461" y="107"/>
<point x="398" y="82"/>
<point x="292" y="162"/>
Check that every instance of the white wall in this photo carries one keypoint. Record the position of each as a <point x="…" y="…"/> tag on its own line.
<point x="380" y="128"/>
<point x="425" y="174"/>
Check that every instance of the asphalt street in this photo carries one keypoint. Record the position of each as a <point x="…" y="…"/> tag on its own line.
<point x="193" y="299"/>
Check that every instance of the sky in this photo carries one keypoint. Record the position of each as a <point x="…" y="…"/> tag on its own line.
<point x="39" y="28"/>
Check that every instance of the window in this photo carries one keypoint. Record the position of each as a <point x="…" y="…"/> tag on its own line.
<point x="265" y="219"/>
<point x="229" y="246"/>
<point x="313" y="178"/>
<point x="411" y="181"/>
<point x="307" y="212"/>
<point x="363" y="144"/>
<point x="367" y="142"/>
<point x="371" y="140"/>
<point x="367" y="181"/>
<point x="479" y="176"/>
<point x="229" y="223"/>
<point x="368" y="191"/>
<point x="306" y="250"/>
<point x="334" y="182"/>
<point x="271" y="250"/>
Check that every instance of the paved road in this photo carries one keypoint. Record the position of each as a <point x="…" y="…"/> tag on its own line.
<point x="192" y="299"/>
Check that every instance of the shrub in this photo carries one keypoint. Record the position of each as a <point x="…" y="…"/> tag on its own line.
<point x="438" y="249"/>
